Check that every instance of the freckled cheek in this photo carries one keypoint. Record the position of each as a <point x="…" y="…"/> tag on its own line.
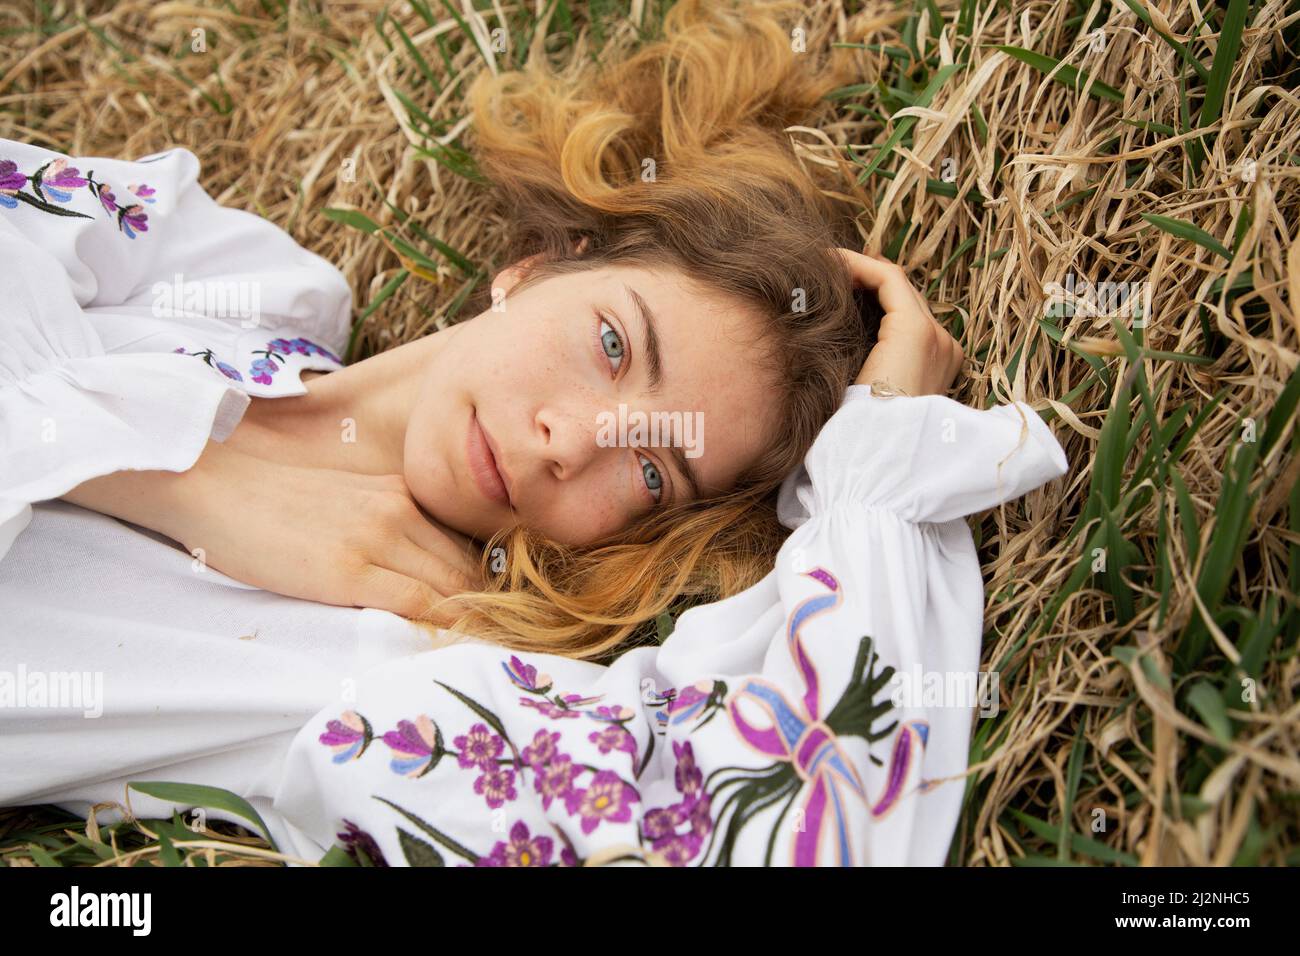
<point x="588" y="514"/>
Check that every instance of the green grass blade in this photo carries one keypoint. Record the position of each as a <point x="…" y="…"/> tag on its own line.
<point x="1208" y="703"/>
<point x="905" y="124"/>
<point x="1071" y="76"/>
<point x="1225" y="58"/>
<point x="1185" y="230"/>
<point x="353" y="218"/>
<point x="197" y="795"/>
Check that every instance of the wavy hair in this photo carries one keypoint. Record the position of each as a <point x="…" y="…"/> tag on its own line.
<point x="674" y="157"/>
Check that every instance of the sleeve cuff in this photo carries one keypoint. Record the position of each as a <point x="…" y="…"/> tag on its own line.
<point x="927" y="459"/>
<point x="93" y="416"/>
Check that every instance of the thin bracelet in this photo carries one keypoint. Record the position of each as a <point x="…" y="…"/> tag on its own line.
<point x="885" y="390"/>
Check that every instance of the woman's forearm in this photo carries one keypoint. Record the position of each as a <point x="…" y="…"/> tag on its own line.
<point x="169" y="502"/>
<point x="313" y="533"/>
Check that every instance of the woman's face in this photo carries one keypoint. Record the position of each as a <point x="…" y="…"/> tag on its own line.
<point x="538" y="380"/>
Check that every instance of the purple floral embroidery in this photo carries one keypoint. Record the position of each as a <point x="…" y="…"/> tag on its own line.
<point x="801" y="735"/>
<point x="206" y="354"/>
<point x="349" y="736"/>
<point x="553" y="772"/>
<point x="615" y="736"/>
<point x="357" y="841"/>
<point x="543" y="749"/>
<point x="106" y="197"/>
<point x="53" y="183"/>
<point x="908" y="748"/>
<point x="661" y="700"/>
<point x="662" y="822"/>
<point x="683" y="847"/>
<point x="302" y="347"/>
<point x="554" y="780"/>
<point x="548" y="709"/>
<point x="281" y="349"/>
<point x="700" y="702"/>
<point x="497" y="786"/>
<point x="607" y="798"/>
<point x="10" y="182"/>
<point x="54" y="179"/>
<point x="61" y="178"/>
<point x="663" y="826"/>
<point x="143" y="192"/>
<point x="522" y="849"/>
<point x="479" y="748"/>
<point x="322" y="350"/>
<point x="262" y="369"/>
<point x="132" y="220"/>
<point x="525" y="675"/>
<point x="808" y="770"/>
<point x="415" y="746"/>
<point x="687" y="777"/>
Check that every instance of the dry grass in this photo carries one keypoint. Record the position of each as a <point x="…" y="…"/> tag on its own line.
<point x="1148" y="708"/>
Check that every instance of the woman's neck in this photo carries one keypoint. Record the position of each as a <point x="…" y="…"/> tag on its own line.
<point x="353" y="419"/>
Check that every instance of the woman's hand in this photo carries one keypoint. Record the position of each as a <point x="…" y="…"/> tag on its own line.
<point x="323" y="535"/>
<point x="914" y="354"/>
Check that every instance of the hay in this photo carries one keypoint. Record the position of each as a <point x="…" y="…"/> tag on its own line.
<point x="1146" y="757"/>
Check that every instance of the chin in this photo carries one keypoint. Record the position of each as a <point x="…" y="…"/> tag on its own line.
<point x="448" y="510"/>
<point x="478" y="530"/>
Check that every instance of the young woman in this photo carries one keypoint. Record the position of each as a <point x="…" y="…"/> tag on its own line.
<point x="269" y="540"/>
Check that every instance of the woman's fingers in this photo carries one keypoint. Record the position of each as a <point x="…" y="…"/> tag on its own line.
<point x="898" y="271"/>
<point x="455" y="549"/>
<point x="913" y="352"/>
<point x="390" y="590"/>
<point x="887" y="280"/>
<point x="446" y="577"/>
<point x="405" y="539"/>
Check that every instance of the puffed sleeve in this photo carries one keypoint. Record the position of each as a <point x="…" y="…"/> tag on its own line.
<point x="932" y="459"/>
<point x="127" y="233"/>
<point x="120" y="347"/>
<point x="821" y="717"/>
<point x="70" y="412"/>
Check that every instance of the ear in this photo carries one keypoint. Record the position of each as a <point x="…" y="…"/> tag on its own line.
<point x="508" y="277"/>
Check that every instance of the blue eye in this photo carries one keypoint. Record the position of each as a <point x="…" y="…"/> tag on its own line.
<point x="653" y="480"/>
<point x="612" y="344"/>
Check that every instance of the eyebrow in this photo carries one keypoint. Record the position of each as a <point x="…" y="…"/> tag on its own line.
<point x="684" y="463"/>
<point x="653" y="355"/>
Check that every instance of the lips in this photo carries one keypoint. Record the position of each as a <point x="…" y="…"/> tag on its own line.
<point x="483" y="465"/>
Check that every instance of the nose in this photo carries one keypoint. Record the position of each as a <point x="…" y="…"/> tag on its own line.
<point x="568" y="437"/>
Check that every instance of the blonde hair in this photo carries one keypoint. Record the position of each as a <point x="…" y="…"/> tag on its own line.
<point x="731" y="208"/>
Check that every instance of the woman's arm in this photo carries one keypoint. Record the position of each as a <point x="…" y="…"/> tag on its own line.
<point x="330" y="536"/>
